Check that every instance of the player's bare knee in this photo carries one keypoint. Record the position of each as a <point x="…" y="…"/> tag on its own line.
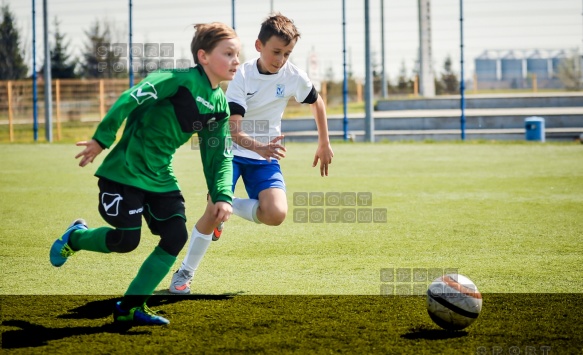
<point x="277" y="217"/>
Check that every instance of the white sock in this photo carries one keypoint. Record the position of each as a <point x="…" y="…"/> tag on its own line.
<point x="246" y="208"/>
<point x="198" y="246"/>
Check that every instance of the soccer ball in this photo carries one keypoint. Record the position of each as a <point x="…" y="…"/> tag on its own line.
<point x="453" y="301"/>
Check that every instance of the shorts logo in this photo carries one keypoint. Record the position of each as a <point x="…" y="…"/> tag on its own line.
<point x="136" y="211"/>
<point x="110" y="203"/>
<point x="143" y="92"/>
<point x="280" y="90"/>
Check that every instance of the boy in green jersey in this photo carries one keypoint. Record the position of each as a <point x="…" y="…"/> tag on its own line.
<point x="136" y="178"/>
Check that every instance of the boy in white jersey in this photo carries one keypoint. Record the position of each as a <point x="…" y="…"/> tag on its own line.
<point x="257" y="98"/>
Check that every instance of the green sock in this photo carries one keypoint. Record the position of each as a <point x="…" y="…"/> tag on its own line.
<point x="153" y="270"/>
<point x="90" y="239"/>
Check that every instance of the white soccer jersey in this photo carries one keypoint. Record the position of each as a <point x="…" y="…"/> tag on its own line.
<point x="264" y="98"/>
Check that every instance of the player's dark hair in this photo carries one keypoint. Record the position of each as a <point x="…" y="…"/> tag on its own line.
<point x="208" y="35"/>
<point x="280" y="26"/>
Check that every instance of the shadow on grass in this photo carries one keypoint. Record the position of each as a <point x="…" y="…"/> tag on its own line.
<point x="104" y="308"/>
<point x="92" y="310"/>
<point x="433" y="334"/>
<point x="32" y="335"/>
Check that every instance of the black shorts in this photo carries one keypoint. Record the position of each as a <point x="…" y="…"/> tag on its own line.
<point x="122" y="206"/>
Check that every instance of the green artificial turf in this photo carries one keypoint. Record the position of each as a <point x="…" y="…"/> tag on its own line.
<point x="506" y="215"/>
<point x="531" y="323"/>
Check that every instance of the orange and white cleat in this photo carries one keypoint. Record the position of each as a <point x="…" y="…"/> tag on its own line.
<point x="218" y="231"/>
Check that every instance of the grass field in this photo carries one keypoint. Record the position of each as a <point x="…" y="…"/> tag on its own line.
<point x="507" y="215"/>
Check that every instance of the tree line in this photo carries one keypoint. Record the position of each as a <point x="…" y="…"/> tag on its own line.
<point x="96" y="63"/>
<point x="99" y="61"/>
<point x="96" y="60"/>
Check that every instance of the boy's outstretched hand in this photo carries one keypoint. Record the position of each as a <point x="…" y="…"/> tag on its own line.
<point x="92" y="149"/>
<point x="271" y="150"/>
<point x="324" y="153"/>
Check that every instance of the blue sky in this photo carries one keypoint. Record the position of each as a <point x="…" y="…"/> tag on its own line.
<point x="489" y="25"/>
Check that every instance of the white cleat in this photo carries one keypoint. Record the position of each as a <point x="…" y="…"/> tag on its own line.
<point x="180" y="282"/>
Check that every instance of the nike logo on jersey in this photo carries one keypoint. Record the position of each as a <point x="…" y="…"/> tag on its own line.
<point x="251" y="94"/>
<point x="143" y="92"/>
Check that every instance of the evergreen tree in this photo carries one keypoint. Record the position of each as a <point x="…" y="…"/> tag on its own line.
<point x="12" y="66"/>
<point x="449" y="80"/>
<point x="95" y="52"/>
<point x="62" y="67"/>
<point x="570" y="72"/>
<point x="377" y="71"/>
<point x="403" y="82"/>
<point x="329" y="76"/>
<point x="99" y="60"/>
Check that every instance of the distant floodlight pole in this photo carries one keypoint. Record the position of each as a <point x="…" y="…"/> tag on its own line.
<point x="130" y="56"/>
<point x="384" y="74"/>
<point x="271" y="6"/>
<point x="233" y="14"/>
<point x="368" y="94"/>
<point x="34" y="76"/>
<point x="345" y="74"/>
<point x="462" y="85"/>
<point x="47" y="77"/>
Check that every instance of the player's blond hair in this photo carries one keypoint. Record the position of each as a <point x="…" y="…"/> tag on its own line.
<point x="280" y="26"/>
<point x="208" y="35"/>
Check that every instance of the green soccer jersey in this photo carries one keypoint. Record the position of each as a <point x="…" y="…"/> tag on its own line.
<point x="163" y="112"/>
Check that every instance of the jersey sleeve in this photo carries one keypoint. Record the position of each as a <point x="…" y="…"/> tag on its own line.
<point x="236" y="91"/>
<point x="304" y="86"/>
<point x="312" y="97"/>
<point x="155" y="87"/>
<point x="217" y="156"/>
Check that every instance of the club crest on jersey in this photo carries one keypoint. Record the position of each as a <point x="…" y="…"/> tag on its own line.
<point x="280" y="90"/>
<point x="143" y="92"/>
